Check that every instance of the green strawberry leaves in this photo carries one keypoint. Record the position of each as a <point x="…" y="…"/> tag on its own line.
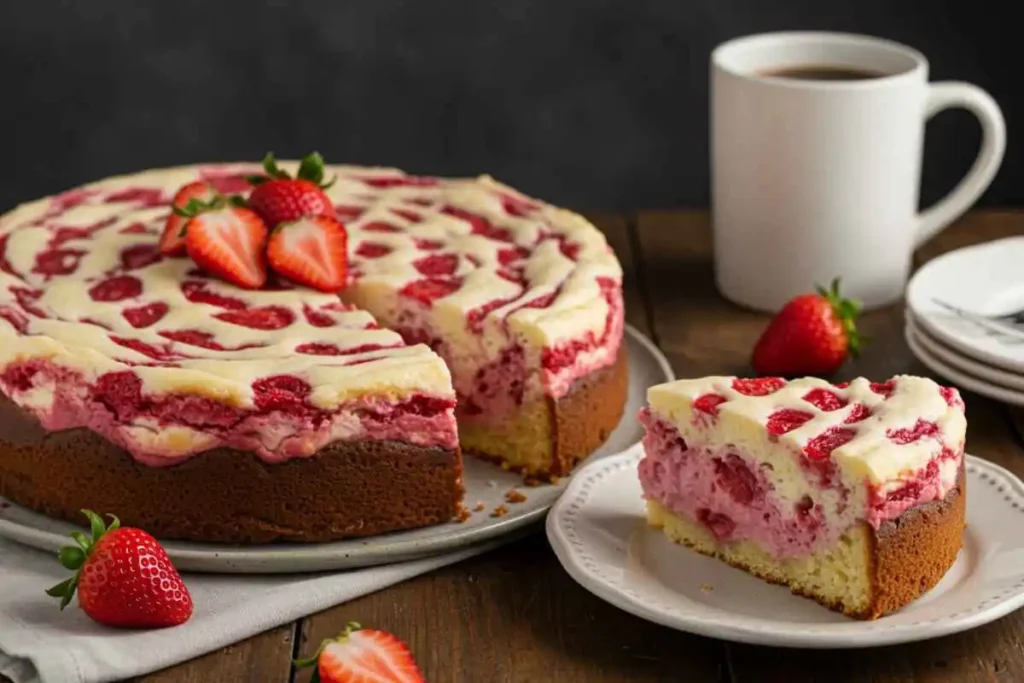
<point x="198" y="206"/>
<point x="350" y="628"/>
<point x="311" y="169"/>
<point x="74" y="556"/>
<point x="846" y="311"/>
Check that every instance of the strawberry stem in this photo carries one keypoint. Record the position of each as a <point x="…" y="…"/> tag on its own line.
<point x="350" y="628"/>
<point x="74" y="556"/>
<point x="846" y="311"/>
<point x="311" y="169"/>
<point x="270" y="166"/>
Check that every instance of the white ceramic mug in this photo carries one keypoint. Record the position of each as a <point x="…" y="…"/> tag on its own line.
<point x="817" y="179"/>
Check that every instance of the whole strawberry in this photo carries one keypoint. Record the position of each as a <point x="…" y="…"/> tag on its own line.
<point x="123" y="577"/>
<point x="811" y="335"/>
<point x="279" y="198"/>
<point x="362" y="656"/>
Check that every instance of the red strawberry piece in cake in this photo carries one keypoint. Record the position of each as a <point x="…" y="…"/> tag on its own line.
<point x="428" y="291"/>
<point x="279" y="198"/>
<point x="311" y="251"/>
<point x="373" y="250"/>
<point x="791" y="482"/>
<point x="172" y="241"/>
<point x="146" y="315"/>
<point x="227" y="241"/>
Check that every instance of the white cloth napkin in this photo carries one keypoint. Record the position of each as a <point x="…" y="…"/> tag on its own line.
<point x="41" y="644"/>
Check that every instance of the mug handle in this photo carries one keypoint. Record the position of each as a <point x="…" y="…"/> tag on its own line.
<point x="993" y="145"/>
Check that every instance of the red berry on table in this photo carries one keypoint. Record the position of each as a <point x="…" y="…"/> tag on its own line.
<point x="172" y="241"/>
<point x="811" y="335"/>
<point x="363" y="656"/>
<point x="311" y="251"/>
<point x="279" y="198"/>
<point x="227" y="240"/>
<point x="123" y="578"/>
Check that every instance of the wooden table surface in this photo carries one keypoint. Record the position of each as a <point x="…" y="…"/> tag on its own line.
<point x="515" y="615"/>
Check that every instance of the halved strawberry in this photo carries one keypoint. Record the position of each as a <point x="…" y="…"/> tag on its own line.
<point x="172" y="241"/>
<point x="227" y="240"/>
<point x="279" y="198"/>
<point x="311" y="251"/>
<point x="362" y="655"/>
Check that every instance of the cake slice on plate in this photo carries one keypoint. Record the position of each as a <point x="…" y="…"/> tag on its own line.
<point x="850" y="494"/>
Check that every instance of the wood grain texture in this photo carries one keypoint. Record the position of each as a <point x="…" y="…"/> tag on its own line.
<point x="514" y="615"/>
<point x="704" y="334"/>
<point x="266" y="657"/>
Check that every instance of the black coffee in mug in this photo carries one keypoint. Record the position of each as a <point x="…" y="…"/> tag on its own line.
<point x="812" y="72"/>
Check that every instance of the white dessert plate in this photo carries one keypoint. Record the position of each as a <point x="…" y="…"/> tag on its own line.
<point x="972" y="299"/>
<point x="598" y="530"/>
<point x="960" y="378"/>
<point x="965" y="364"/>
<point x="486" y="488"/>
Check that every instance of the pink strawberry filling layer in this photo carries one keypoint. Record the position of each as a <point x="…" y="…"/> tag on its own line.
<point x="735" y="500"/>
<point x="492" y="385"/>
<point x="283" y="425"/>
<point x="727" y="494"/>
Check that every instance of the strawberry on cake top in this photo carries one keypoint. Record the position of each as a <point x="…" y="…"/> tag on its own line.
<point x="520" y="299"/>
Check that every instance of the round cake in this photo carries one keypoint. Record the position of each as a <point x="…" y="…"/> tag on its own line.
<point x="475" y="318"/>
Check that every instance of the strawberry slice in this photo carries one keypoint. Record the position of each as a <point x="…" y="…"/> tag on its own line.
<point x="172" y="241"/>
<point x="279" y="198"/>
<point x="311" y="251"/>
<point x="362" y="656"/>
<point x="227" y="241"/>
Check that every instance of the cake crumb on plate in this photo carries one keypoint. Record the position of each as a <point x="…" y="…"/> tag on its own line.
<point x="479" y="507"/>
<point x="463" y="514"/>
<point x="514" y="495"/>
<point x="499" y="511"/>
<point x="707" y="587"/>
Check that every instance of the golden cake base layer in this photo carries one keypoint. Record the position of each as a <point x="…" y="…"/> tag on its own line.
<point x="866" y="575"/>
<point x="546" y="438"/>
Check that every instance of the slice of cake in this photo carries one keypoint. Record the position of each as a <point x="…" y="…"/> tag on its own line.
<point x="137" y="384"/>
<point x="850" y="494"/>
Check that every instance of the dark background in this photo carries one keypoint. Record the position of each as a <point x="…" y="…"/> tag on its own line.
<point x="595" y="104"/>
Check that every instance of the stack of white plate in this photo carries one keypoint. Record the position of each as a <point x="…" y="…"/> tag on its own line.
<point x="965" y="318"/>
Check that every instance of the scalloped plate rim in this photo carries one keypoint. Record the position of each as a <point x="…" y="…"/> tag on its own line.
<point x="846" y="634"/>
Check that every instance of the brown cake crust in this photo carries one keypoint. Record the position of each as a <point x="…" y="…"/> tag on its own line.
<point x="584" y="418"/>
<point x="348" y="489"/>
<point x="912" y="553"/>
